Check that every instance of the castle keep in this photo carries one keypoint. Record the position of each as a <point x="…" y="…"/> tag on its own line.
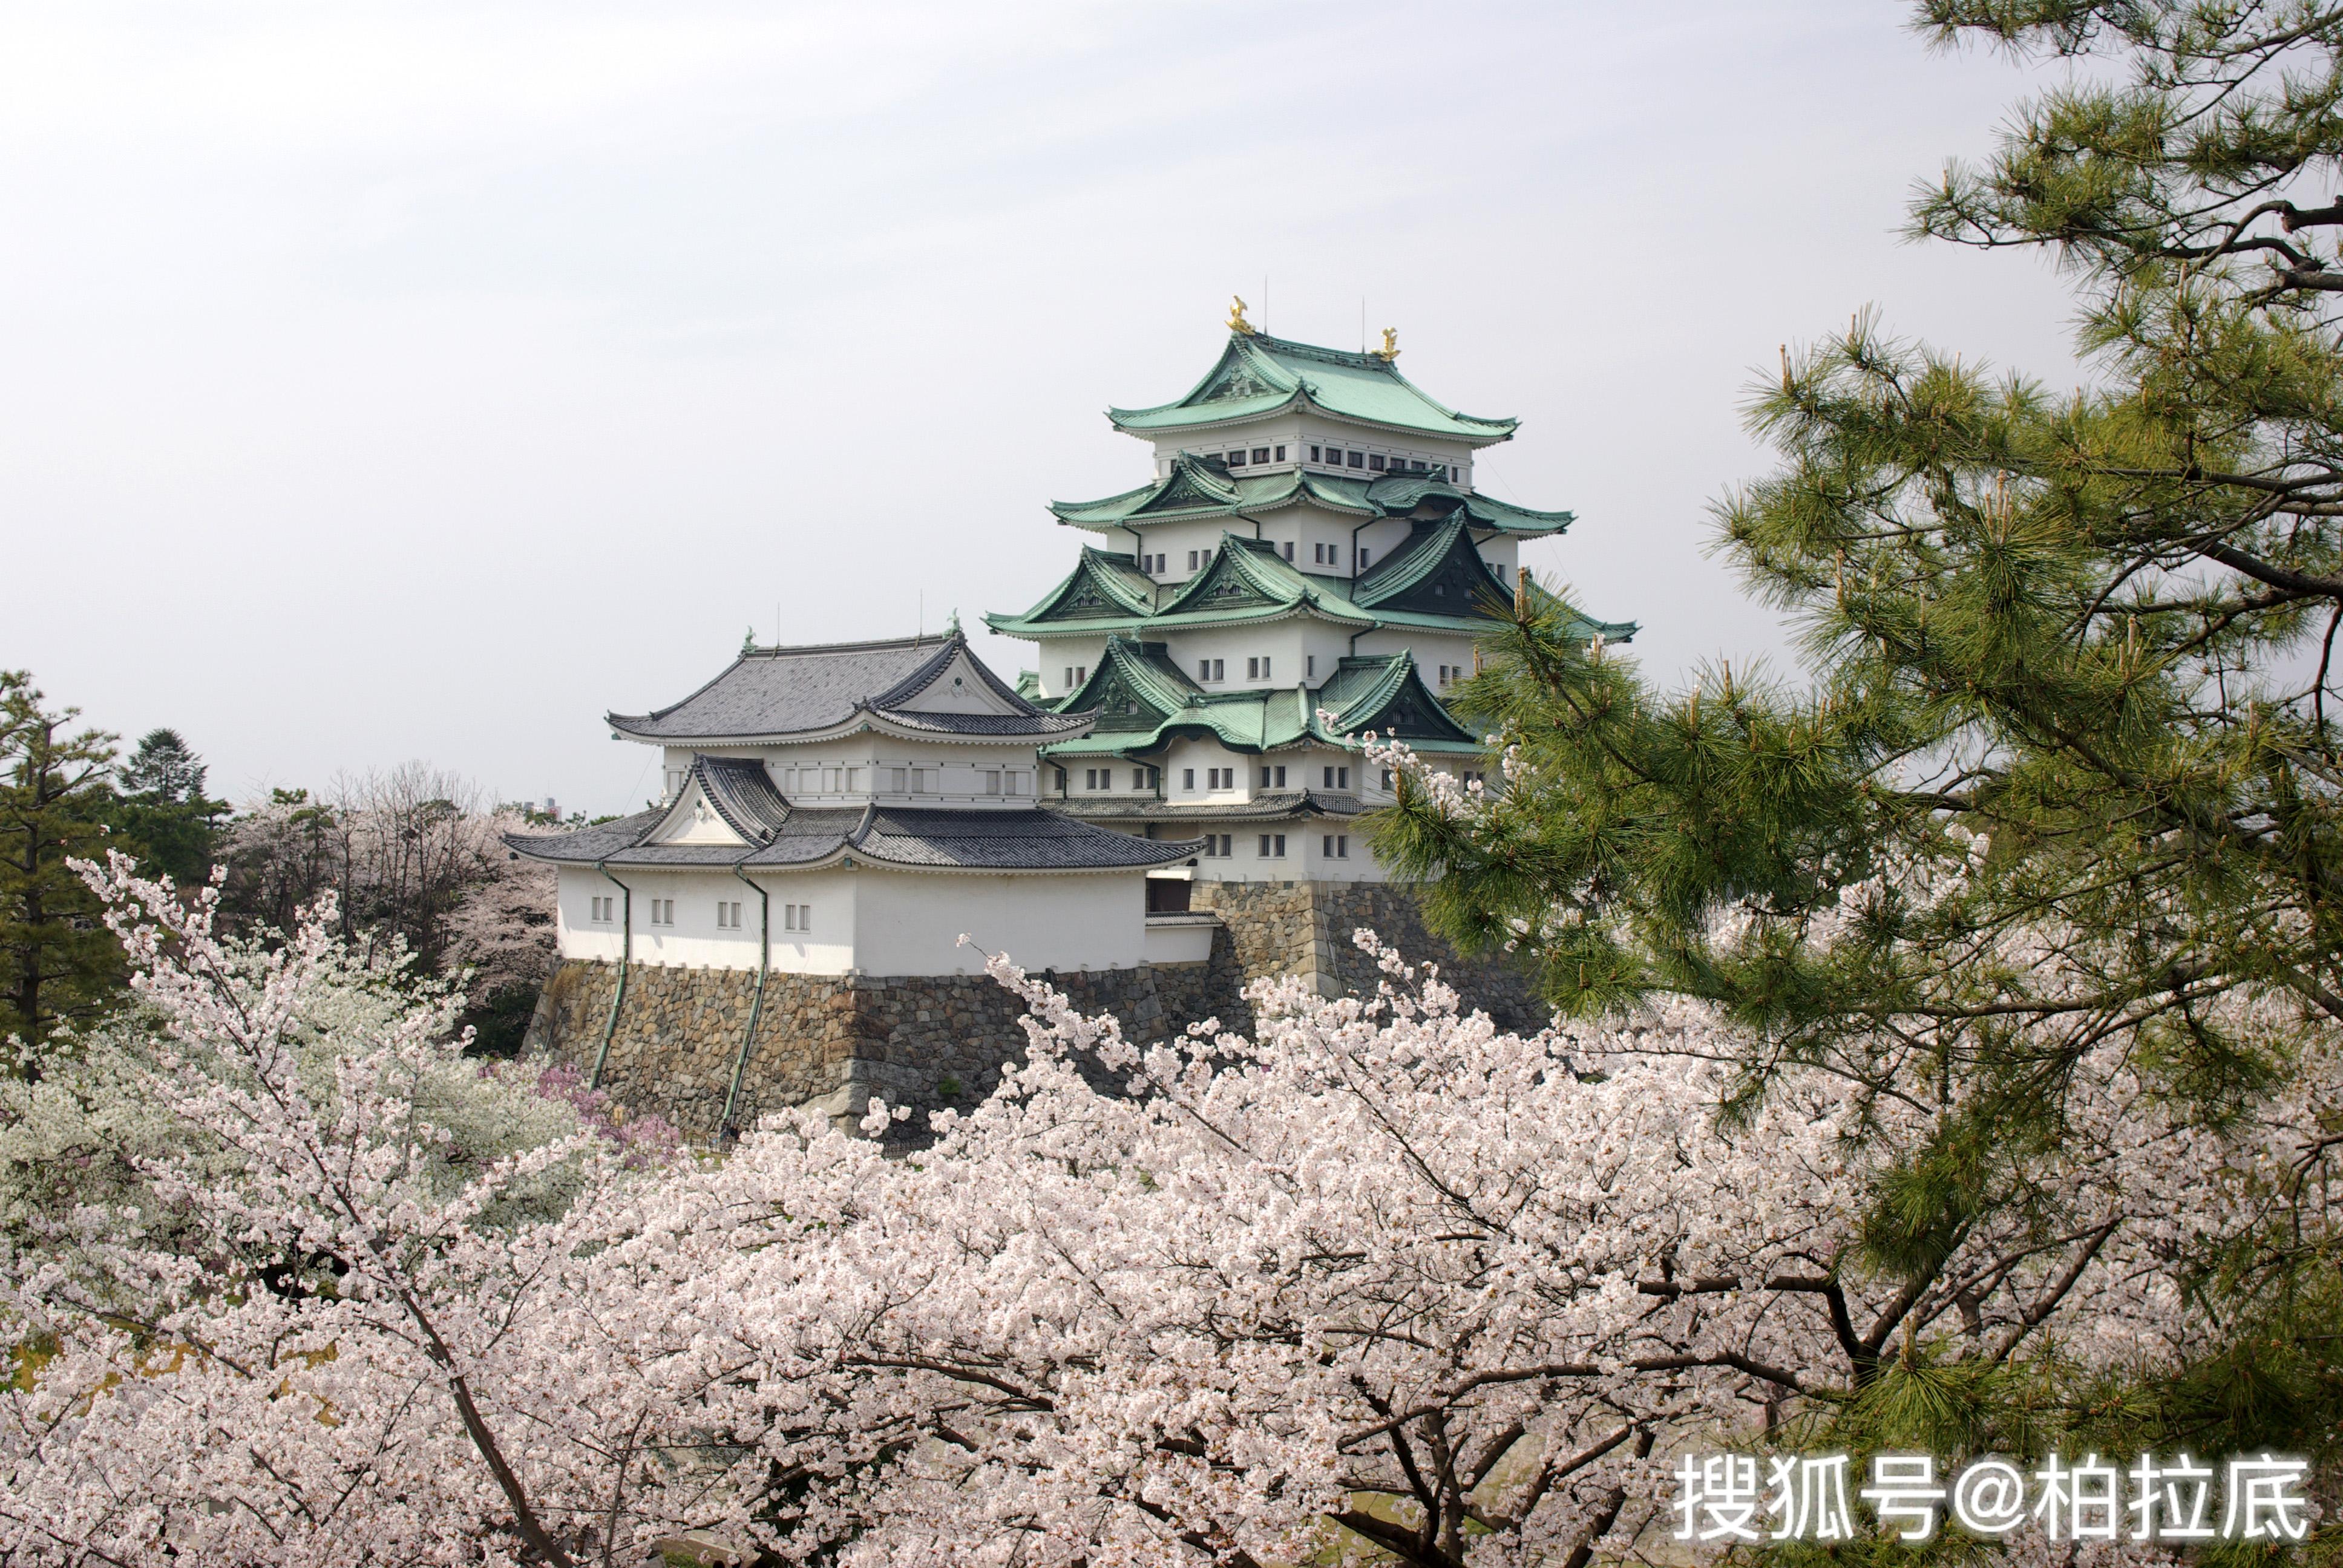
<point x="1165" y="808"/>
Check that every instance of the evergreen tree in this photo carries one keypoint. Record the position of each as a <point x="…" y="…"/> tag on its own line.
<point x="163" y="809"/>
<point x="58" y="963"/>
<point x="2066" y="772"/>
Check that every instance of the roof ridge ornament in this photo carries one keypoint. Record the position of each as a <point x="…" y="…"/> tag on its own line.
<point x="1237" y="322"/>
<point x="1389" y="350"/>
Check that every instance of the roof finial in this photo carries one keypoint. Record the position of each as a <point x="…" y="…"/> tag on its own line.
<point x="1389" y="350"/>
<point x="1237" y="323"/>
<point x="954" y="628"/>
<point x="749" y="640"/>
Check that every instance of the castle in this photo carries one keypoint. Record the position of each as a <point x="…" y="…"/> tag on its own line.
<point x="1166" y="807"/>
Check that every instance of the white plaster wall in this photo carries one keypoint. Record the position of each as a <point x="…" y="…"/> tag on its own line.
<point x="1432" y="650"/>
<point x="910" y="923"/>
<point x="1283" y="643"/>
<point x="695" y="941"/>
<point x="1054" y="654"/>
<point x="1175" y="541"/>
<point x="1202" y="756"/>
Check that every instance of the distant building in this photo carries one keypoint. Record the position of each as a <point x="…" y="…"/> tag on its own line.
<point x="1309" y="563"/>
<point x="853" y="808"/>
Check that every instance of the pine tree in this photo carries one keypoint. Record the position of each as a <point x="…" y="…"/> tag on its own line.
<point x="58" y="963"/>
<point x="163" y="812"/>
<point x="2066" y="772"/>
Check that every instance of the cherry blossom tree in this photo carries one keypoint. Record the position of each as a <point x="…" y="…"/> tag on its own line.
<point x="1380" y="1273"/>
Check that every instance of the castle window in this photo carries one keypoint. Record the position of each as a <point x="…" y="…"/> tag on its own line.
<point x="1356" y="459"/>
<point x="1090" y="777"/>
<point x="1375" y="463"/>
<point x="1145" y="777"/>
<point x="1257" y="668"/>
<point x="992" y="780"/>
<point x="854" y="780"/>
<point x="1221" y="778"/>
<point x="727" y="915"/>
<point x="923" y="780"/>
<point x="1260" y="454"/>
<point x="1272" y="845"/>
<point x="1192" y="560"/>
<point x="1236" y="458"/>
<point x="1310" y="667"/>
<point x="1387" y="780"/>
<point x="674" y="782"/>
<point x="1289" y="549"/>
<point x="1416" y="464"/>
<point x="1187" y="778"/>
<point x="1338" y="846"/>
<point x="1280" y="454"/>
<point x="1364" y="556"/>
<point x="602" y="910"/>
<point x="1217" y="846"/>
<point x="1338" y="777"/>
<point x="1061" y="781"/>
<point x="1273" y="778"/>
<point x="1212" y="669"/>
<point x="895" y="779"/>
<point x="1016" y="782"/>
<point x="797" y="917"/>
<point x="662" y="911"/>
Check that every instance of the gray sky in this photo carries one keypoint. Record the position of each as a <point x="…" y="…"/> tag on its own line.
<point x="421" y="381"/>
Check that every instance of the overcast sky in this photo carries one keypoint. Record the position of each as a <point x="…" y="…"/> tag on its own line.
<point x="422" y="381"/>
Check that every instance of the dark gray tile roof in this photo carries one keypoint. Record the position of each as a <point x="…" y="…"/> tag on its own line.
<point x="781" y="691"/>
<point x="1007" y="838"/>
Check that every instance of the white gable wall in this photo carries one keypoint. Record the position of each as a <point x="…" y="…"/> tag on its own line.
<point x="881" y="923"/>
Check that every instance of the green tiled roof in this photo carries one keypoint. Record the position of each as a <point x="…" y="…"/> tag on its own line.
<point x="1144" y="701"/>
<point x="1102" y="586"/>
<point x="1248" y="581"/>
<point x="1259" y="375"/>
<point x="1202" y="486"/>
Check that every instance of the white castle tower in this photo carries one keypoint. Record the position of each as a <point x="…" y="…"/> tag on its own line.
<point x="1310" y="543"/>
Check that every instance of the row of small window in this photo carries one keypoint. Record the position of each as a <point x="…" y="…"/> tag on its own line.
<point x="1140" y="777"/>
<point x="1321" y="555"/>
<point x="1272" y="777"/>
<point x="1376" y="462"/>
<point x="1337" y="457"/>
<point x="794" y="917"/>
<point x="1221" y="846"/>
<point x="898" y="781"/>
<point x="1237" y="454"/>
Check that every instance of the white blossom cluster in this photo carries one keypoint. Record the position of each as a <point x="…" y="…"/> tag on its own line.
<point x="1381" y="1272"/>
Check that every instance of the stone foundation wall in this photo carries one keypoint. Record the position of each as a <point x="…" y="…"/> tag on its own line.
<point x="1306" y="928"/>
<point x="929" y="1041"/>
<point x="922" y="1040"/>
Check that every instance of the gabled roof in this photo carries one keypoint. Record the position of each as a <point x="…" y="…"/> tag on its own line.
<point x="1103" y="586"/>
<point x="1201" y="487"/>
<point x="1384" y="693"/>
<point x="1247" y="581"/>
<point x="782" y="693"/>
<point x="777" y="836"/>
<point x="1436" y="572"/>
<point x="1134" y="687"/>
<point x="1258" y="375"/>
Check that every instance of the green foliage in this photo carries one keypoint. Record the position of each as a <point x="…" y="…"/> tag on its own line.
<point x="162" y="811"/>
<point x="59" y="966"/>
<point x="2065" y="774"/>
